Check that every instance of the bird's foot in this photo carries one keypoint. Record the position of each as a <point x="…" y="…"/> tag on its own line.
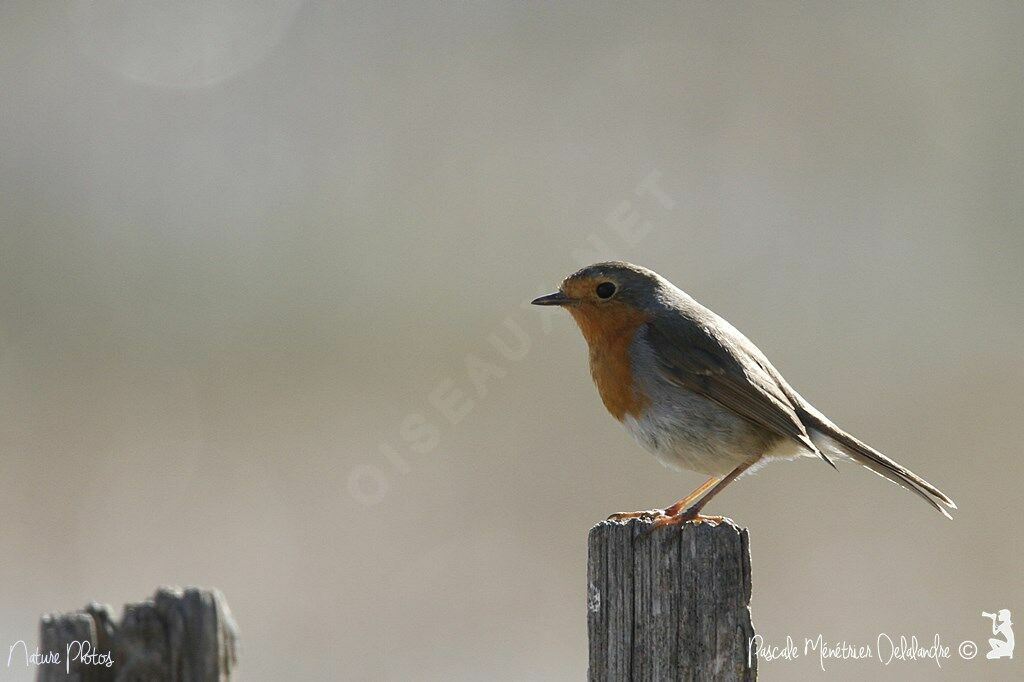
<point x="649" y="514"/>
<point x="685" y="517"/>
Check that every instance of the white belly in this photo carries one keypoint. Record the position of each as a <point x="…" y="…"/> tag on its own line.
<point x="678" y="448"/>
<point x="706" y="439"/>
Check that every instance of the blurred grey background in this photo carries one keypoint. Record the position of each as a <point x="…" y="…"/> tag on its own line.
<point x="254" y="258"/>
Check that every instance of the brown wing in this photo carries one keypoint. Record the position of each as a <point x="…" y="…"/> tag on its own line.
<point x="692" y="357"/>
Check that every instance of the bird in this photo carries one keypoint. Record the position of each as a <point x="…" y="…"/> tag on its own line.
<point x="697" y="393"/>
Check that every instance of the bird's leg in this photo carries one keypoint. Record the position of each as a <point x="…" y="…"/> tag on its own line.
<point x="670" y="511"/>
<point x="686" y="501"/>
<point x="692" y="512"/>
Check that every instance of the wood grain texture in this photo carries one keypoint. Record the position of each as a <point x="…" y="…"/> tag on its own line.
<point x="177" y="636"/>
<point x="672" y="604"/>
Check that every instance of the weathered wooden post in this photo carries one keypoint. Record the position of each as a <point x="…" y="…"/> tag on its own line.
<point x="672" y="604"/>
<point x="178" y="636"/>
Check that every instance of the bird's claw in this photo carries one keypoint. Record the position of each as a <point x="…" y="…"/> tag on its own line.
<point x="685" y="517"/>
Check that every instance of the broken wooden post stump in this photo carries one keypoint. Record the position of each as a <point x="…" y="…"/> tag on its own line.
<point x="669" y="604"/>
<point x="177" y="636"/>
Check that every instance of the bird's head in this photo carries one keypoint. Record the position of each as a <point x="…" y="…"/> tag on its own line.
<point x="608" y="298"/>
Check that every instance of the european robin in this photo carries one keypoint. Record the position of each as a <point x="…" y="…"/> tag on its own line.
<point x="696" y="392"/>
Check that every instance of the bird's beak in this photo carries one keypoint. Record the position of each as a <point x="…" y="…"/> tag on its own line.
<point x="557" y="298"/>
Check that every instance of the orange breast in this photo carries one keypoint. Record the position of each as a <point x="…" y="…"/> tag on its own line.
<point x="609" y="333"/>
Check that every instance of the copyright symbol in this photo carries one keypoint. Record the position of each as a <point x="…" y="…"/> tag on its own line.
<point x="968" y="649"/>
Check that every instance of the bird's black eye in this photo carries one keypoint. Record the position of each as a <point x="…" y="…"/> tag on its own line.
<point x="605" y="290"/>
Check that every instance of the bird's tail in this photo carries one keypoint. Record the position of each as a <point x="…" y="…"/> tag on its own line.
<point x="831" y="439"/>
